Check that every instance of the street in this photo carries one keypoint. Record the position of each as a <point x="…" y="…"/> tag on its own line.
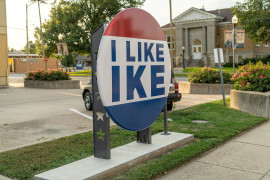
<point x="31" y="116"/>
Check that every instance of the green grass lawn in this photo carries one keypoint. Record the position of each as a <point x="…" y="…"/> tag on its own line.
<point x="81" y="73"/>
<point x="224" y="69"/>
<point x="181" y="75"/>
<point x="223" y="123"/>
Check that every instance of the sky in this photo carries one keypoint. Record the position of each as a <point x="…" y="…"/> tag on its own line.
<point x="16" y="15"/>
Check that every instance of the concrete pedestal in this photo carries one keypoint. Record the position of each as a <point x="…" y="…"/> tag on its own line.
<point x="123" y="158"/>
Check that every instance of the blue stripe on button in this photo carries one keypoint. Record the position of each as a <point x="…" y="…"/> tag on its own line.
<point x="136" y="116"/>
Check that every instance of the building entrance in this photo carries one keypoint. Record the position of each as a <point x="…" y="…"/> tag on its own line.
<point x="197" y="52"/>
<point x="197" y="49"/>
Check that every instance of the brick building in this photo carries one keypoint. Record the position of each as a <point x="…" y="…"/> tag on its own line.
<point x="18" y="64"/>
<point x="199" y="32"/>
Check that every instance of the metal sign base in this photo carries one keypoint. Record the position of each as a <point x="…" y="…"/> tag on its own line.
<point x="101" y="121"/>
<point x="145" y="136"/>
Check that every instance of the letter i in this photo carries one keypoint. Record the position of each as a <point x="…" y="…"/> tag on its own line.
<point x="113" y="46"/>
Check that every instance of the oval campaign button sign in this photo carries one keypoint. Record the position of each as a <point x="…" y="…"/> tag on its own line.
<point x="133" y="69"/>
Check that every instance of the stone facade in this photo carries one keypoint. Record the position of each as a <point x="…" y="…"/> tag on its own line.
<point x="198" y="32"/>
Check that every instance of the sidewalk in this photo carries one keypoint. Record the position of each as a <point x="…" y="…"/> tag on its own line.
<point x="243" y="158"/>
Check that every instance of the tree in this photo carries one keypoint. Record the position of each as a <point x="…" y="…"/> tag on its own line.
<point x="69" y="60"/>
<point x="76" y="19"/>
<point x="254" y="16"/>
<point x="32" y="48"/>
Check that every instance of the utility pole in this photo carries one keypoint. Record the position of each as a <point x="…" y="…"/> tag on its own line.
<point x="171" y="48"/>
<point x="4" y="70"/>
<point x="27" y="48"/>
<point x="41" y="35"/>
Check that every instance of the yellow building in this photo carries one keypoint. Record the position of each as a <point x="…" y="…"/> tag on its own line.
<point x="11" y="64"/>
<point x="4" y="70"/>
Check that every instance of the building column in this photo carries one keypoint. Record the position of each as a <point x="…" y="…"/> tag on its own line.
<point x="204" y="40"/>
<point x="4" y="71"/>
<point x="186" y="42"/>
<point x="204" y="49"/>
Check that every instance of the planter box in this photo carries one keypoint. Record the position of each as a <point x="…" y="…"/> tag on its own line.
<point x="63" y="84"/>
<point x="256" y="103"/>
<point x="201" y="88"/>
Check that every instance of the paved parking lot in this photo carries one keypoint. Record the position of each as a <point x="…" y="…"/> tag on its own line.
<point x="30" y="116"/>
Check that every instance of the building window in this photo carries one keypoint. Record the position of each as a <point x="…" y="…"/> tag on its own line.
<point x="266" y="44"/>
<point x="168" y="37"/>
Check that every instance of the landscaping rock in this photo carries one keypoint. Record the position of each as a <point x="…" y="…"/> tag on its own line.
<point x="201" y="88"/>
<point x="256" y="103"/>
<point x="63" y="84"/>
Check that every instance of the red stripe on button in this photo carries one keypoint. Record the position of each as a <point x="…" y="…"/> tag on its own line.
<point x="135" y="23"/>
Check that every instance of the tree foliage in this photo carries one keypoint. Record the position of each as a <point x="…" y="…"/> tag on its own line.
<point x="76" y="20"/>
<point x="32" y="48"/>
<point x="254" y="16"/>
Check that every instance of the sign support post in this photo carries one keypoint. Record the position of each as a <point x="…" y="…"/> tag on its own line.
<point x="219" y="57"/>
<point x="144" y="136"/>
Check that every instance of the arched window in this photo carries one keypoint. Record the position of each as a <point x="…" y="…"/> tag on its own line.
<point x="197" y="42"/>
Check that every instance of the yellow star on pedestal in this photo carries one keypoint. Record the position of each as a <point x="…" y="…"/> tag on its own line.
<point x="100" y="116"/>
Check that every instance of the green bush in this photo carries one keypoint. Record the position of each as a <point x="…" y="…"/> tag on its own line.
<point x="265" y="60"/>
<point x="230" y="64"/>
<point x="207" y="75"/>
<point x="47" y="75"/>
<point x="252" y="77"/>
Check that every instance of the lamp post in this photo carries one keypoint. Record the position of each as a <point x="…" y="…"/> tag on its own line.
<point x="183" y="49"/>
<point x="234" y="22"/>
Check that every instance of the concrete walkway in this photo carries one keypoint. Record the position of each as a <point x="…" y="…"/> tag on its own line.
<point x="243" y="158"/>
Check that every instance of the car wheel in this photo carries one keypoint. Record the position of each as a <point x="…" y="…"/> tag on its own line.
<point x="87" y="101"/>
<point x="170" y="106"/>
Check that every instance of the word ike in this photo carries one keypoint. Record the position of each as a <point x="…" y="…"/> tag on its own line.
<point x="134" y="79"/>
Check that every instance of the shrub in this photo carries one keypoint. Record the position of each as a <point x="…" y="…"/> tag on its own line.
<point x="252" y="77"/>
<point x="230" y="64"/>
<point x="47" y="75"/>
<point x="207" y="75"/>
<point x="264" y="60"/>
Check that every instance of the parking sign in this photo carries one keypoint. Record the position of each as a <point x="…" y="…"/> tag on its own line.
<point x="133" y="69"/>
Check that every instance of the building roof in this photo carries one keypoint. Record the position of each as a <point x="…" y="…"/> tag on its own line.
<point x="82" y="57"/>
<point x="226" y="13"/>
<point x="11" y="54"/>
<point x="168" y="26"/>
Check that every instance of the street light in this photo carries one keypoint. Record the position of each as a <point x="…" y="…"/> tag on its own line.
<point x="27" y="39"/>
<point x="234" y="22"/>
<point x="183" y="49"/>
<point x="60" y="37"/>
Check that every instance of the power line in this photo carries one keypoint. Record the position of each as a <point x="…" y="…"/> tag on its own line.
<point x="16" y="28"/>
